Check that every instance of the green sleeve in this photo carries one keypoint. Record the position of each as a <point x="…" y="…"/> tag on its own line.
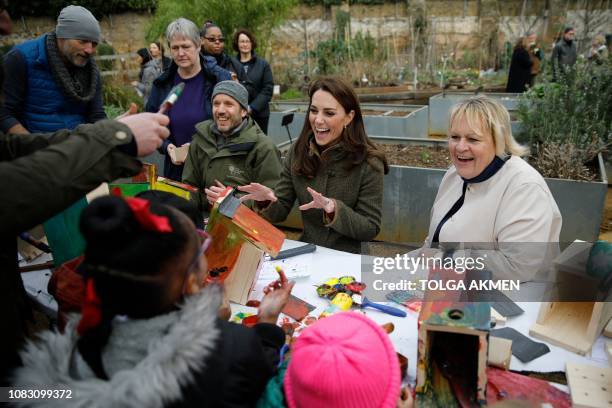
<point x="44" y="174"/>
<point x="192" y="174"/>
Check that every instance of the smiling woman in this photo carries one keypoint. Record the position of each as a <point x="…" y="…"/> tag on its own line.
<point x="334" y="172"/>
<point x="491" y="195"/>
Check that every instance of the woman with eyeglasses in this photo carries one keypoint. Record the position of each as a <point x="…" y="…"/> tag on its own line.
<point x="213" y="45"/>
<point x="149" y="335"/>
<point x="200" y="75"/>
<point x="258" y="76"/>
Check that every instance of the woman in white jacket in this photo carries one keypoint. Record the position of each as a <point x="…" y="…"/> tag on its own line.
<point x="491" y="201"/>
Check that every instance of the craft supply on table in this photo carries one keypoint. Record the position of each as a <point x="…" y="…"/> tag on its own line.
<point x="294" y="269"/>
<point x="412" y="300"/>
<point x="291" y="252"/>
<point x="345" y="292"/>
<point x="523" y="347"/>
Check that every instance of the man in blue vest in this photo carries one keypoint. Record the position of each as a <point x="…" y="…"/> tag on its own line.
<point x="52" y="81"/>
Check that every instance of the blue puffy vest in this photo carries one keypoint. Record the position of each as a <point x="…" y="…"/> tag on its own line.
<point x="46" y="108"/>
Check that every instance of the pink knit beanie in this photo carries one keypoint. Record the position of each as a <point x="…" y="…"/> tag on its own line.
<point x="345" y="360"/>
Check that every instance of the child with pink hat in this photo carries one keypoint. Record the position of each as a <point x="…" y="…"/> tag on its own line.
<point x="345" y="360"/>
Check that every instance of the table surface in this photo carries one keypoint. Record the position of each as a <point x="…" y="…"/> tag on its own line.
<point x="326" y="263"/>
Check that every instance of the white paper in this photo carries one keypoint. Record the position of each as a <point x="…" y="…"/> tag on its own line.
<point x="296" y="267"/>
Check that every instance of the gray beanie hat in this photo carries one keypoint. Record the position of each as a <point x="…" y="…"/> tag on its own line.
<point x="76" y="22"/>
<point x="233" y="89"/>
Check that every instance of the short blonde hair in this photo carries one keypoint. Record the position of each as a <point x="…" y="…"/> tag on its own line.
<point x="485" y="115"/>
<point x="599" y="40"/>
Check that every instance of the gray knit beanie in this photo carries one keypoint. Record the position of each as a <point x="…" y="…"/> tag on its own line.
<point x="76" y="22"/>
<point x="233" y="89"/>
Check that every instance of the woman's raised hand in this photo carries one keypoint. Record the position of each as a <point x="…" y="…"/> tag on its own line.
<point x="319" y="201"/>
<point x="257" y="192"/>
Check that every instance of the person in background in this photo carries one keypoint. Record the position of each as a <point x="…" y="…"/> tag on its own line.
<point x="150" y="69"/>
<point x="491" y="201"/>
<point x="333" y="170"/>
<point x="213" y="45"/>
<point x="149" y="335"/>
<point x="199" y="74"/>
<point x="519" y="75"/>
<point x="598" y="51"/>
<point x="54" y="81"/>
<point x="258" y="76"/>
<point x="564" y="52"/>
<point x="345" y="360"/>
<point x="536" y="55"/>
<point x="230" y="149"/>
<point x="157" y="52"/>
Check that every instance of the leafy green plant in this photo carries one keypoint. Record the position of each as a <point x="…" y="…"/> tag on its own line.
<point x="568" y="122"/>
<point x="101" y="50"/>
<point x="120" y="96"/>
<point x="292" y="93"/>
<point x="259" y="16"/>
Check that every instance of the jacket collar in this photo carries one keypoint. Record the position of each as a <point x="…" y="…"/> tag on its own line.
<point x="334" y="152"/>
<point x="155" y="381"/>
<point x="168" y="75"/>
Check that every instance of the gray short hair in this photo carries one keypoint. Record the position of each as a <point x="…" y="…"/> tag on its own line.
<point x="187" y="29"/>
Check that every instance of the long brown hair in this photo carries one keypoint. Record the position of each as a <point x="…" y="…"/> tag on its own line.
<point x="355" y="142"/>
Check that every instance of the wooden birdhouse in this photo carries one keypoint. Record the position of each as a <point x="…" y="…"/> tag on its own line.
<point x="240" y="239"/>
<point x="452" y="348"/>
<point x="582" y="309"/>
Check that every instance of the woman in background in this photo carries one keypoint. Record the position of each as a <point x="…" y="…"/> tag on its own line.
<point x="258" y="77"/>
<point x="519" y="75"/>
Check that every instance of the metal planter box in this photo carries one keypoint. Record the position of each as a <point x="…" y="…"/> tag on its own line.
<point x="440" y="106"/>
<point x="380" y="119"/>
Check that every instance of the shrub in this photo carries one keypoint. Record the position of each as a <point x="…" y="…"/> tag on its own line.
<point x="119" y="96"/>
<point x="569" y="118"/>
<point x="105" y="49"/>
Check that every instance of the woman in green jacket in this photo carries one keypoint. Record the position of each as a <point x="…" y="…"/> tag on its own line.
<point x="333" y="170"/>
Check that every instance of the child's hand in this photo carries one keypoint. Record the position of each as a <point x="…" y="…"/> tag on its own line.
<point x="225" y="311"/>
<point x="275" y="298"/>
<point x="405" y="399"/>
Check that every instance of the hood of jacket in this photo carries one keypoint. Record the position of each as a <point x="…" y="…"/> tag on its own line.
<point x="168" y="363"/>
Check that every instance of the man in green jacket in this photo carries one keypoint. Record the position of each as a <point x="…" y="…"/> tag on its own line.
<point x="230" y="149"/>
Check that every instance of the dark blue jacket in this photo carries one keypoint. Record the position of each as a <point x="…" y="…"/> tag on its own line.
<point x="212" y="73"/>
<point x="34" y="98"/>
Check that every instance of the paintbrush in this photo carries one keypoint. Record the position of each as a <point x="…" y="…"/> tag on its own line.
<point x="171" y="98"/>
<point x="363" y="302"/>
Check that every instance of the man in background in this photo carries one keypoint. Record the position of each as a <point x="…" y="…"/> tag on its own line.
<point x="55" y="83"/>
<point x="564" y="53"/>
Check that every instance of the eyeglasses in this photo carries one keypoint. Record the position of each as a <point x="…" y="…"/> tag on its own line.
<point x="215" y="39"/>
<point x="206" y="240"/>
